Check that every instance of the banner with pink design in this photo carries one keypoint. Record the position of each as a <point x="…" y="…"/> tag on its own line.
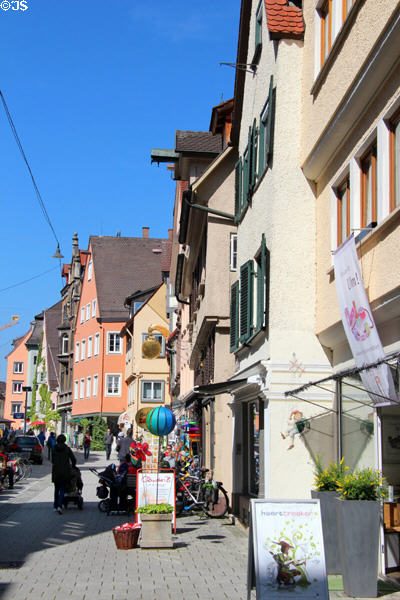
<point x="359" y="325"/>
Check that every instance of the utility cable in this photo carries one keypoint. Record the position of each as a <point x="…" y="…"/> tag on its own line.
<point x="26" y="280"/>
<point x="38" y="194"/>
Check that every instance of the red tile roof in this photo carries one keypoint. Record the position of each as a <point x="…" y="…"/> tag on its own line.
<point x="284" y="20"/>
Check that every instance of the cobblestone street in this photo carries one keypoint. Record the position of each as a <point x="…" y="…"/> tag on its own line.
<point x="73" y="555"/>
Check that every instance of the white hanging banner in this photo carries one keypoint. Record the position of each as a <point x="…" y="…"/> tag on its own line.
<point x="359" y="325"/>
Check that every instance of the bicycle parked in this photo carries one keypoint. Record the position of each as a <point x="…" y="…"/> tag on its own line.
<point x="194" y="492"/>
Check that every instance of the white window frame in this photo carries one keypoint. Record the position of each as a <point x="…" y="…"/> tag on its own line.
<point x="88" y="311"/>
<point x="77" y="346"/>
<point x="82" y="388"/>
<point x="114" y="333"/>
<point x="90" y="270"/>
<point x="233" y="252"/>
<point x="96" y="347"/>
<point x="90" y="346"/>
<point x="94" y="307"/>
<point x="88" y="386"/>
<point x="83" y="349"/>
<point x="17" y="387"/>
<point x="16" y="370"/>
<point x="95" y="385"/>
<point x="119" y="379"/>
<point x="14" y="408"/>
<point x="82" y="315"/>
<point x="76" y="389"/>
<point x="64" y="347"/>
<point x="152" y="399"/>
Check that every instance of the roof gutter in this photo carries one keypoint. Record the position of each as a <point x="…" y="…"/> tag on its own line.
<point x="187" y="205"/>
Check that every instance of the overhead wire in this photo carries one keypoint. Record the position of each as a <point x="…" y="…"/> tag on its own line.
<point x="27" y="280"/>
<point x="19" y="144"/>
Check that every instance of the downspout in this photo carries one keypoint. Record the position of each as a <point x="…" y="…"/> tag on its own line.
<point x="102" y="369"/>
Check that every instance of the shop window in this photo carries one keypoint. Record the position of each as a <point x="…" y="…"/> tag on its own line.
<point x="395" y="162"/>
<point x="343" y="211"/>
<point x="368" y="188"/>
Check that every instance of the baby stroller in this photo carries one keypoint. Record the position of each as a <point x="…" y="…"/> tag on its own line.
<point x="73" y="490"/>
<point x="116" y="492"/>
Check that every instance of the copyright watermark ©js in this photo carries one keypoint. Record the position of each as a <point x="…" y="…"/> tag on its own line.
<point x="14" y="5"/>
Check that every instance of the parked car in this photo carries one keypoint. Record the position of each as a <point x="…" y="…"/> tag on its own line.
<point x="28" y="446"/>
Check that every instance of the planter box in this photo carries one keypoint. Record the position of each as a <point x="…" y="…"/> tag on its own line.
<point x="358" y="528"/>
<point x="329" y="530"/>
<point x="156" y="531"/>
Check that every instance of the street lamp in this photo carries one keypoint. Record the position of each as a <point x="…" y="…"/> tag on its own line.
<point x="26" y="389"/>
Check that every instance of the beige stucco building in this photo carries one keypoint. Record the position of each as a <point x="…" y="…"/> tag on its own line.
<point x="147" y="379"/>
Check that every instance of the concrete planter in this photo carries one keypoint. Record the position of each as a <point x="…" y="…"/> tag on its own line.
<point x="358" y="529"/>
<point x="329" y="530"/>
<point x="156" y="531"/>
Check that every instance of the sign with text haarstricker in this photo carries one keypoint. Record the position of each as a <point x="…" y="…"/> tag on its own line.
<point x="359" y="325"/>
<point x="286" y="550"/>
<point x="155" y="487"/>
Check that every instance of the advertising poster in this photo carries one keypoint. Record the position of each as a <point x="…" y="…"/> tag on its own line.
<point x="360" y="327"/>
<point x="288" y="550"/>
<point x="154" y="487"/>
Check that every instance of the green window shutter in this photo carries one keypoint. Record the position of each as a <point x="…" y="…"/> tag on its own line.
<point x="270" y="122"/>
<point x="253" y="155"/>
<point x="238" y="185"/>
<point x="261" y="152"/>
<point x="261" y="272"/>
<point x="234" y="332"/>
<point x="246" y="300"/>
<point x="245" y="184"/>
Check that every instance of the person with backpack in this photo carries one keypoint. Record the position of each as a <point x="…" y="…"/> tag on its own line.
<point x="51" y="442"/>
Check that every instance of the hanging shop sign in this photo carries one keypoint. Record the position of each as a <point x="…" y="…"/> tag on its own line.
<point x="359" y="325"/>
<point x="286" y="551"/>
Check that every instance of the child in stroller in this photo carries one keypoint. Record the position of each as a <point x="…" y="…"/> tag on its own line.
<point x="73" y="491"/>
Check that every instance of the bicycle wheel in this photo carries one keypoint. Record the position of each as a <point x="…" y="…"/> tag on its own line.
<point x="104" y="505"/>
<point x="28" y="469"/>
<point x="217" y="509"/>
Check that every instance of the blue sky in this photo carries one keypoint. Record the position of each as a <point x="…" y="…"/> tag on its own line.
<point x="92" y="86"/>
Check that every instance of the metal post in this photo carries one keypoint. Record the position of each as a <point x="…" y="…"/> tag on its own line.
<point x="26" y="389"/>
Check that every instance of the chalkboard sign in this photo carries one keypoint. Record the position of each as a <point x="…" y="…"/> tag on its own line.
<point x="286" y="550"/>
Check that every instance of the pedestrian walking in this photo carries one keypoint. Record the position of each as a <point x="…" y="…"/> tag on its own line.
<point x="5" y="434"/>
<point x="63" y="460"/>
<point x="51" y="442"/>
<point x="87" y="440"/>
<point x="108" y="440"/>
<point x="124" y="444"/>
<point x="41" y="438"/>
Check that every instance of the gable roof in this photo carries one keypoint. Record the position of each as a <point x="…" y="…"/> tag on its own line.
<point x="284" y="19"/>
<point x="198" y="141"/>
<point x="123" y="264"/>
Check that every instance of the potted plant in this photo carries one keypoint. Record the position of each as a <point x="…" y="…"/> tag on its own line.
<point x="358" y="514"/>
<point x="326" y="482"/>
<point x="156" y="525"/>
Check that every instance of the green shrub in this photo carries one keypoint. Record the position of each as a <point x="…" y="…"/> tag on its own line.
<point x="155" y="509"/>
<point x="328" y="479"/>
<point x="99" y="430"/>
<point x="364" y="484"/>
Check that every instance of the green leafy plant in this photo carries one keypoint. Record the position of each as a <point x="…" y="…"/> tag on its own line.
<point x="364" y="484"/>
<point x="155" y="509"/>
<point x="99" y="429"/>
<point x="328" y="479"/>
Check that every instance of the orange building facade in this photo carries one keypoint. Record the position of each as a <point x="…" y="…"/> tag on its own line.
<point x="17" y="377"/>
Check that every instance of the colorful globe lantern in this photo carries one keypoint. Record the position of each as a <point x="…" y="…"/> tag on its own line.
<point x="160" y="421"/>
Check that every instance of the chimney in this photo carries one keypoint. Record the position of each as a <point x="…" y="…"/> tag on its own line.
<point x="146" y="232"/>
<point x="170" y="234"/>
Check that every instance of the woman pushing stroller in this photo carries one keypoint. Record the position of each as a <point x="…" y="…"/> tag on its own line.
<point x="63" y="460"/>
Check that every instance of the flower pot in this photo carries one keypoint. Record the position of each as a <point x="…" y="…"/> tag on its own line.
<point x="156" y="531"/>
<point x="358" y="529"/>
<point x="126" y="539"/>
<point x="329" y="530"/>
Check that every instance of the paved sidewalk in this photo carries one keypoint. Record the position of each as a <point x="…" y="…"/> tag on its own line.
<point x="73" y="555"/>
